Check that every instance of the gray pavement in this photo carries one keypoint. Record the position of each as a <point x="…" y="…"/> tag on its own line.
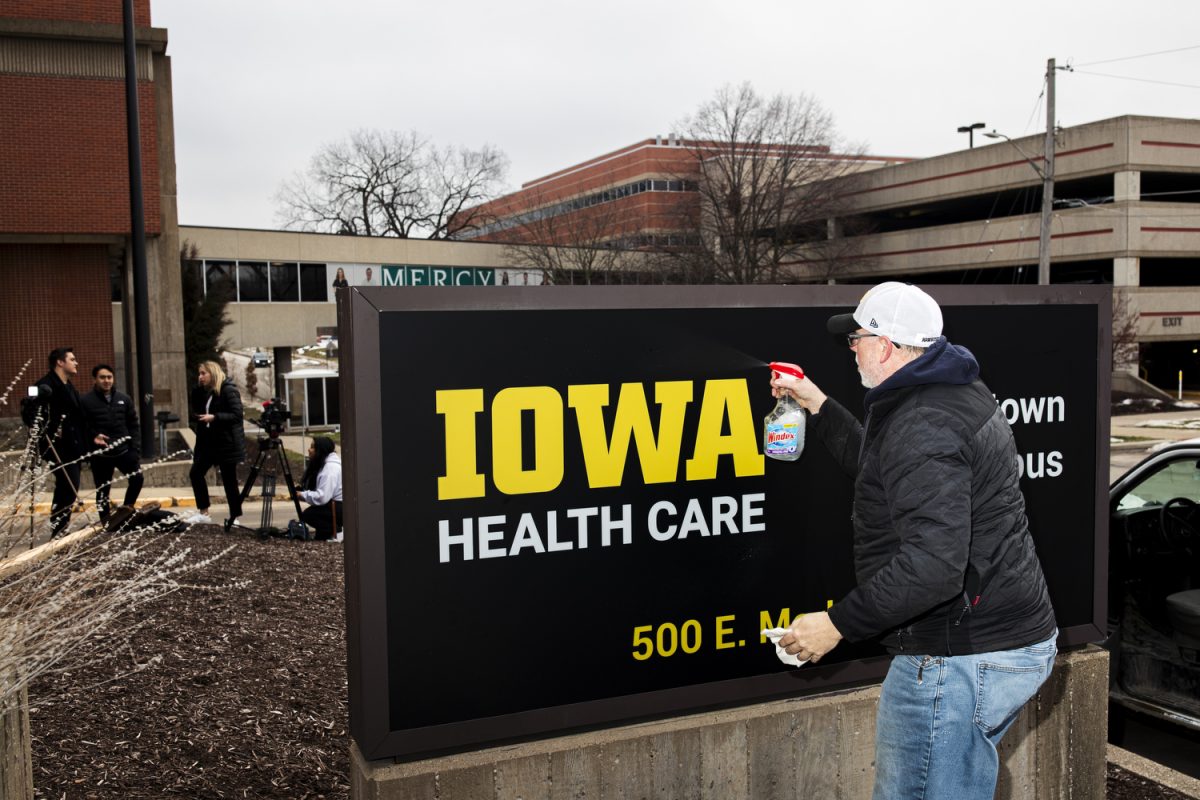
<point x="181" y="500"/>
<point x="1135" y="434"/>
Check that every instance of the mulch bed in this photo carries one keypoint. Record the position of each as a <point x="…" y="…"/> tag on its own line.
<point x="248" y="697"/>
<point x="1123" y="785"/>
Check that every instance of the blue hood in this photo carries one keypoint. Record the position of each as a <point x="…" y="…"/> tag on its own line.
<point x="942" y="362"/>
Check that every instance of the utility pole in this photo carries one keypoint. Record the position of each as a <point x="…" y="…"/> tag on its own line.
<point x="1047" y="181"/>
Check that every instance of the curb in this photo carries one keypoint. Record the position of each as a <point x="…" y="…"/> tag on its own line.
<point x="1144" y="444"/>
<point x="1153" y="771"/>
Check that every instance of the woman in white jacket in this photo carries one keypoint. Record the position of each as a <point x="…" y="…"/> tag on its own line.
<point x="323" y="489"/>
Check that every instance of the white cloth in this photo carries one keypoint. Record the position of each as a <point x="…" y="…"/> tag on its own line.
<point x="329" y="483"/>
<point x="775" y="634"/>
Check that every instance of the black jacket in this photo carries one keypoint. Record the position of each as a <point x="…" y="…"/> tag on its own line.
<point x="224" y="438"/>
<point x="115" y="417"/>
<point x="62" y="433"/>
<point x="942" y="552"/>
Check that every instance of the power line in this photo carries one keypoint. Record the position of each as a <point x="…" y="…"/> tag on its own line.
<point x="1037" y="105"/>
<point x="1139" y="80"/>
<point x="1143" y="55"/>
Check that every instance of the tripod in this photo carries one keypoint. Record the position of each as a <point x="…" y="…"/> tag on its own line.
<point x="267" y="445"/>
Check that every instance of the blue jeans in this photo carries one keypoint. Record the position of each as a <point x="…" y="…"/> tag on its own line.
<point x="941" y="717"/>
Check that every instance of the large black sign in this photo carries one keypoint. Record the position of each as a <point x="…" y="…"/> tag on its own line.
<point x="560" y="515"/>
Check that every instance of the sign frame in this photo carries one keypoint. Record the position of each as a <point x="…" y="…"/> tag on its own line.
<point x="359" y="314"/>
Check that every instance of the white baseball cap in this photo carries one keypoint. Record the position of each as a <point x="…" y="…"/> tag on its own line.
<point x="899" y="311"/>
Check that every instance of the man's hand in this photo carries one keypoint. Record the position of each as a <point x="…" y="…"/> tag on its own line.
<point x="802" y="390"/>
<point x="811" y="636"/>
<point x="101" y="439"/>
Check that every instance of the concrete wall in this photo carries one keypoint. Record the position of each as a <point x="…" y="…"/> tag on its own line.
<point x="239" y="243"/>
<point x="293" y="324"/>
<point x="813" y="747"/>
<point x="1167" y="314"/>
<point x="1112" y="145"/>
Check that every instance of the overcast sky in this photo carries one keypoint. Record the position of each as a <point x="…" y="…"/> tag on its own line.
<point x="259" y="85"/>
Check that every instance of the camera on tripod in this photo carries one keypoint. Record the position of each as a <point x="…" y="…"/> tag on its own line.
<point x="274" y="418"/>
<point x="273" y="421"/>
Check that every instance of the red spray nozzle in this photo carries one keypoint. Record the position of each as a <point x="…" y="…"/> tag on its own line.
<point x="787" y="369"/>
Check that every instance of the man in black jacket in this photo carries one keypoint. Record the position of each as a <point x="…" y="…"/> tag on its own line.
<point x="60" y="441"/>
<point x="947" y="575"/>
<point x="111" y="418"/>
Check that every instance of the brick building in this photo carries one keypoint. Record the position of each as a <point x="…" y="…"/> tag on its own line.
<point x="65" y="254"/>
<point x="633" y="197"/>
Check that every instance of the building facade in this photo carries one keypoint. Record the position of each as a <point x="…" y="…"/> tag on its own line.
<point x="1126" y="213"/>
<point x="65" y="251"/>
<point x="635" y="197"/>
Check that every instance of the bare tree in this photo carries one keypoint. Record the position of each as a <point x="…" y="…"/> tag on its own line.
<point x="389" y="183"/>
<point x="768" y="177"/>
<point x="1124" y="330"/>
<point x="571" y="242"/>
<point x="64" y="602"/>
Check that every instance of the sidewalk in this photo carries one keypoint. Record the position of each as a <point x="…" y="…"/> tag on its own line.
<point x="181" y="500"/>
<point x="1146" y="430"/>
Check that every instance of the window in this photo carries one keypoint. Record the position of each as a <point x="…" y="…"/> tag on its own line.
<point x="115" y="278"/>
<point x="252" y="282"/>
<point x="314" y="287"/>
<point x="333" y="403"/>
<point x="285" y="281"/>
<point x="314" y="395"/>
<point x="219" y="277"/>
<point x="1174" y="479"/>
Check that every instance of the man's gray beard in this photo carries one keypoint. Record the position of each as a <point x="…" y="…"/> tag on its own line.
<point x="867" y="382"/>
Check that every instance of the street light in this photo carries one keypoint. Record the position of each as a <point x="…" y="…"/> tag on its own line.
<point x="969" y="130"/>
<point x="1047" y="176"/>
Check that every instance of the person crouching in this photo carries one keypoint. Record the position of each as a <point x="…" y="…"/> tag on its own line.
<point x="322" y="484"/>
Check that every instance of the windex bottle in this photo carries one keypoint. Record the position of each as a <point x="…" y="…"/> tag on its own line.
<point x="783" y="435"/>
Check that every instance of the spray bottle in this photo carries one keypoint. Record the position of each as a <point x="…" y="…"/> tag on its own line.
<point x="783" y="436"/>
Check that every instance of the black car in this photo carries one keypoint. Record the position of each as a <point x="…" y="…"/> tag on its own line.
<point x="1154" y="585"/>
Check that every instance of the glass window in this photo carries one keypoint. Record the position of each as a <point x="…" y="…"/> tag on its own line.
<point x="193" y="280"/>
<point x="333" y="407"/>
<point x="252" y="282"/>
<point x="218" y="276"/>
<point x="660" y="186"/>
<point x="115" y="275"/>
<point x="295" y="389"/>
<point x="314" y="288"/>
<point x="315" y="397"/>
<point x="285" y="281"/>
<point x="1175" y="479"/>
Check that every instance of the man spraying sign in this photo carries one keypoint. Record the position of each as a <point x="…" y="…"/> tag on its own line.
<point x="948" y="578"/>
